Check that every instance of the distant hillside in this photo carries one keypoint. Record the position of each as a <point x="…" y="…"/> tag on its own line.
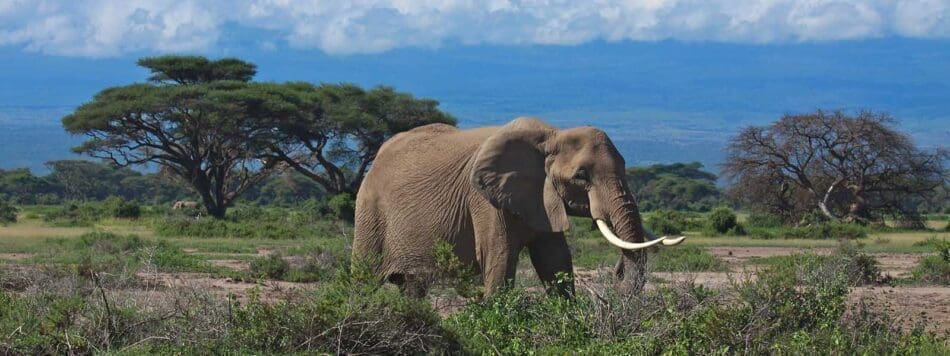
<point x="660" y="102"/>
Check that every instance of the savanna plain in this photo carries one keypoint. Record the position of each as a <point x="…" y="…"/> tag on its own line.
<point x="270" y="279"/>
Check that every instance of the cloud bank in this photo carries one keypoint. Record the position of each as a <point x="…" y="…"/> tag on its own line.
<point x="101" y="28"/>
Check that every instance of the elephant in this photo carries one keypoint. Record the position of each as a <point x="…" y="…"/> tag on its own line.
<point x="489" y="193"/>
<point x="185" y="204"/>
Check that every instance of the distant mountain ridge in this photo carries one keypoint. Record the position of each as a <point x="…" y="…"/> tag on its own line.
<point x="664" y="101"/>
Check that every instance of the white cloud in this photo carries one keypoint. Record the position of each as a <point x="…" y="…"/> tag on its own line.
<point x="108" y="28"/>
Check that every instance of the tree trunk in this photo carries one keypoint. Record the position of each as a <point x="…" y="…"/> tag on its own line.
<point x="217" y="212"/>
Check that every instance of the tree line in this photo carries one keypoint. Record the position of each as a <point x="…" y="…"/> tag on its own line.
<point x="81" y="180"/>
<point x="208" y="126"/>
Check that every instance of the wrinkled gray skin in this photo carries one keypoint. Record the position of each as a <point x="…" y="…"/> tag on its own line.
<point x="490" y="192"/>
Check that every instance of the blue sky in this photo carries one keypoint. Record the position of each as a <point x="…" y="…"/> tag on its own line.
<point x="669" y="80"/>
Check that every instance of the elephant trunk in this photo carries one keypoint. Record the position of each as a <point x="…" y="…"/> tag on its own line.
<point x="616" y="208"/>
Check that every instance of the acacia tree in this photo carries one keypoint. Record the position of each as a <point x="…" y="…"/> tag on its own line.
<point x="335" y="140"/>
<point x="195" y="118"/>
<point x="857" y="168"/>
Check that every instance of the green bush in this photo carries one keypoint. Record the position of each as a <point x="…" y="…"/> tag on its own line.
<point x="352" y="314"/>
<point x="7" y="213"/>
<point x="342" y="206"/>
<point x="665" y="222"/>
<point x="721" y="220"/>
<point x="766" y="220"/>
<point x="461" y="277"/>
<point x="934" y="269"/>
<point x="273" y="266"/>
<point x="100" y="251"/>
<point x="90" y="212"/>
<point x="786" y="311"/>
<point x="827" y="230"/>
<point x="177" y="226"/>
<point x="848" y="262"/>
<point x="317" y="265"/>
<point x="120" y="208"/>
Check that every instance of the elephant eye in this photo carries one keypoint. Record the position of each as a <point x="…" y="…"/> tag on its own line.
<point x="581" y="175"/>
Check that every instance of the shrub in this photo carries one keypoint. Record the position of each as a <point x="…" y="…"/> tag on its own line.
<point x="273" y="266"/>
<point x="787" y="311"/>
<point x="828" y="230"/>
<point x="88" y="213"/>
<point x="847" y="262"/>
<point x="665" y="222"/>
<point x="210" y="228"/>
<point x="120" y="208"/>
<point x="100" y="251"/>
<point x="7" y="213"/>
<point x="350" y="315"/>
<point x="342" y="206"/>
<point x="765" y="220"/>
<point x="721" y="220"/>
<point x="934" y="269"/>
<point x="463" y="278"/>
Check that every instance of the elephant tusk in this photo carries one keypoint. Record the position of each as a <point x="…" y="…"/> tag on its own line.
<point x="666" y="240"/>
<point x="616" y="241"/>
<point x="673" y="242"/>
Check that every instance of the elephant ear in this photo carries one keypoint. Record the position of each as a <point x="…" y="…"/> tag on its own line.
<point x="509" y="172"/>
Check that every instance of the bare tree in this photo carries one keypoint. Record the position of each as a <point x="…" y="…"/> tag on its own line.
<point x="853" y="168"/>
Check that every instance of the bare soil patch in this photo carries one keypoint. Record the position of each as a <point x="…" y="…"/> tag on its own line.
<point x="910" y="303"/>
<point x="237" y="265"/>
<point x="268" y="289"/>
<point x="15" y="256"/>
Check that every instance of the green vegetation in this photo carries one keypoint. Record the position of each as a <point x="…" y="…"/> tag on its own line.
<point x="273" y="267"/>
<point x="792" y="307"/>
<point x="858" y="268"/>
<point x="722" y="220"/>
<point x="453" y="273"/>
<point x="685" y="259"/>
<point x="797" y="304"/>
<point x="763" y="220"/>
<point x="675" y="186"/>
<point x="88" y="213"/>
<point x="666" y="222"/>
<point x="934" y="269"/>
<point x="208" y="124"/>
<point x="800" y="312"/>
<point x="7" y="212"/>
<point x="826" y="230"/>
<point x="78" y="314"/>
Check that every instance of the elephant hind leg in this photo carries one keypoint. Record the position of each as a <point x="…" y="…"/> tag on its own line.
<point x="369" y="234"/>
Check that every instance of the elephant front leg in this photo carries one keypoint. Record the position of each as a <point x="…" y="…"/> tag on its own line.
<point x="498" y="269"/>
<point x="551" y="258"/>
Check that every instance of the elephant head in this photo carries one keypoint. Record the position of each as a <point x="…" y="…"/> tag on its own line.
<point x="542" y="174"/>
